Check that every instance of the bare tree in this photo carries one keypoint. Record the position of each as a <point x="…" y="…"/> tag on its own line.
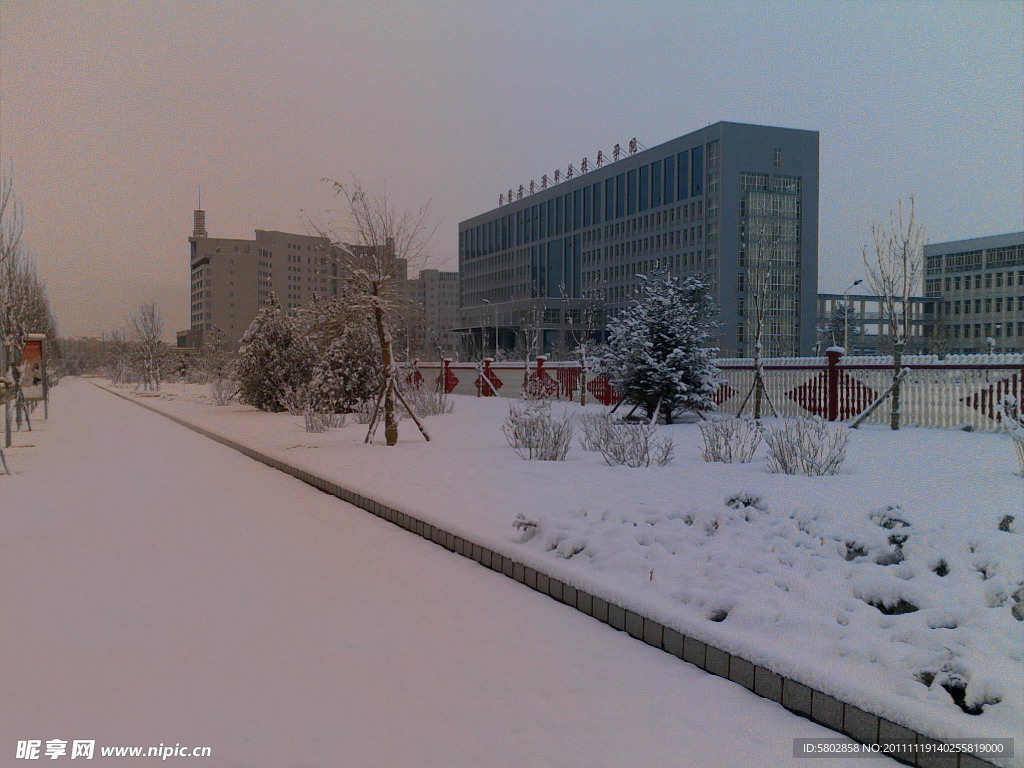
<point x="373" y="248"/>
<point x="11" y="220"/>
<point x="762" y="250"/>
<point x="583" y="323"/>
<point x="24" y="305"/>
<point x="893" y="264"/>
<point x="531" y="322"/>
<point x="146" y="326"/>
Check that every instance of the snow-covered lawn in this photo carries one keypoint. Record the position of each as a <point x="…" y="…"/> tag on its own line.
<point x="157" y="587"/>
<point x="889" y="585"/>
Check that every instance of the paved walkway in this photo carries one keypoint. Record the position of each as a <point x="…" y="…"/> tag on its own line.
<point x="157" y="587"/>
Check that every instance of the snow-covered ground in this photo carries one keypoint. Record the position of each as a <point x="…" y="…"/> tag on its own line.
<point x="805" y="583"/>
<point x="159" y="588"/>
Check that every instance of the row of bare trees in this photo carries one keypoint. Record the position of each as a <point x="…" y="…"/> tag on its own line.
<point x="24" y="304"/>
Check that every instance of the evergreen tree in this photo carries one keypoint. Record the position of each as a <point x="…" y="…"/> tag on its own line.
<point x="834" y="332"/>
<point x="276" y="357"/>
<point x="661" y="348"/>
<point x="348" y="373"/>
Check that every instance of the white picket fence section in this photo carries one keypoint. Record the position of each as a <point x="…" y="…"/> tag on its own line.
<point x="959" y="391"/>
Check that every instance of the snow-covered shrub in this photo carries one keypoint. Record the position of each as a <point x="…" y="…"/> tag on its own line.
<point x="304" y="400"/>
<point x="633" y="445"/>
<point x="428" y="400"/>
<point x="526" y="527"/>
<point x="593" y="424"/>
<point x="316" y="421"/>
<point x="807" y="447"/>
<point x="745" y="499"/>
<point x="222" y="390"/>
<point x="730" y="440"/>
<point x="276" y="356"/>
<point x="660" y="352"/>
<point x="1013" y="424"/>
<point x="348" y="371"/>
<point x="363" y="410"/>
<point x="535" y="434"/>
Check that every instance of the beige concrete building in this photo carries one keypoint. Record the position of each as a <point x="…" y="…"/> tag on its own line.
<point x="978" y="285"/>
<point x="435" y="314"/>
<point x="232" y="278"/>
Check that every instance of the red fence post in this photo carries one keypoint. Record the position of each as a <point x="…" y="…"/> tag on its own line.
<point x="447" y="376"/>
<point x="833" y="384"/>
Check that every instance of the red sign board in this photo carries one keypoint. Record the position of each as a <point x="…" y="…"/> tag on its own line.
<point x="32" y="370"/>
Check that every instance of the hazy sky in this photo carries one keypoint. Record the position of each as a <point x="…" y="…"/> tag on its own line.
<point x="112" y="113"/>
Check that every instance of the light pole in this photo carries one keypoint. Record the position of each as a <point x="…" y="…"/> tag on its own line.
<point x="846" y="315"/>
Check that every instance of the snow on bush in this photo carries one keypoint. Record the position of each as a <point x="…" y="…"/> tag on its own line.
<point x="623" y="443"/>
<point x="592" y="426"/>
<point x="807" y="447"/>
<point x="535" y="434"/>
<point x="222" y="391"/>
<point x="276" y="356"/>
<point x="347" y="373"/>
<point x="730" y="440"/>
<point x="660" y="352"/>
<point x="428" y="400"/>
<point x="825" y="586"/>
<point x="363" y="410"/>
<point x="634" y="445"/>
<point x="1013" y="424"/>
<point x="745" y="500"/>
<point x="304" y="400"/>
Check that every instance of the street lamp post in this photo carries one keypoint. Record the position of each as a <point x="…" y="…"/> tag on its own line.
<point x="846" y="315"/>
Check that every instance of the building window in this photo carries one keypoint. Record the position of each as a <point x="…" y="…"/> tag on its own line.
<point x="697" y="171"/>
<point x="776" y="158"/>
<point x="683" y="176"/>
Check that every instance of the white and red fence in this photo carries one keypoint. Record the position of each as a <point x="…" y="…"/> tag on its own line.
<point x="958" y="391"/>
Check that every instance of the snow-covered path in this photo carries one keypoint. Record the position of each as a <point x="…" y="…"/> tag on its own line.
<point x="156" y="587"/>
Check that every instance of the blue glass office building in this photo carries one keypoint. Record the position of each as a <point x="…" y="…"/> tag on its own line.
<point x="691" y="205"/>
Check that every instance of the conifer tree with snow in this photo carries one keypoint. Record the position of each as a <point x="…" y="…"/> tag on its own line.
<point x="348" y="373"/>
<point x="660" y="351"/>
<point x="276" y="357"/>
<point x="843" y="323"/>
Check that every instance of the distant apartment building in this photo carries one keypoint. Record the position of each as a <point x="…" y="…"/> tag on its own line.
<point x="978" y="285"/>
<point x="697" y="204"/>
<point x="232" y="278"/>
<point x="435" y="314"/>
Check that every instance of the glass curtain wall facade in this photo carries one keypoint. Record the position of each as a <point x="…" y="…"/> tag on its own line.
<point x="693" y="205"/>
